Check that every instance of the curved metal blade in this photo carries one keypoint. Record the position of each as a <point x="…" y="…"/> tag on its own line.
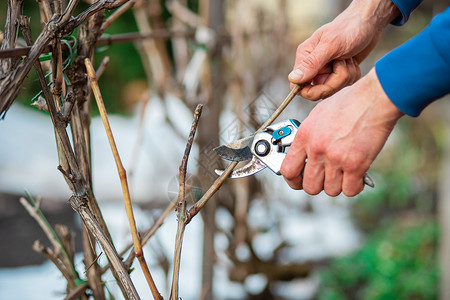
<point x="236" y="151"/>
<point x="368" y="181"/>
<point x="252" y="167"/>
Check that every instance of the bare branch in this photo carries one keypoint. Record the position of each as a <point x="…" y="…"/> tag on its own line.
<point x="51" y="235"/>
<point x="120" y="11"/>
<point x="53" y="257"/>
<point x="9" y="87"/>
<point x="79" y="204"/>
<point x="10" y="34"/>
<point x="106" y="41"/>
<point x="69" y="10"/>
<point x="123" y="179"/>
<point x="182" y="216"/>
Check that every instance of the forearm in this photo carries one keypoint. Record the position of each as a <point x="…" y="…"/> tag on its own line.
<point x="377" y="12"/>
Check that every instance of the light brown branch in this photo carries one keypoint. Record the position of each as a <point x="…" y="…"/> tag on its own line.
<point x="184" y="14"/>
<point x="101" y="68"/>
<point x="123" y="179"/>
<point x="182" y="216"/>
<point x="53" y="257"/>
<point x="33" y="213"/>
<point x="120" y="11"/>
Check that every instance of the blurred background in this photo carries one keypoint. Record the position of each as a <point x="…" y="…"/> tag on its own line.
<point x="256" y="239"/>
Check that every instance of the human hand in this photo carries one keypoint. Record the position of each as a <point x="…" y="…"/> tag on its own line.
<point x="340" y="139"/>
<point x="329" y="60"/>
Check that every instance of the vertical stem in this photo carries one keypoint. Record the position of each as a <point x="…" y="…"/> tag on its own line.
<point x="123" y="179"/>
<point x="182" y="215"/>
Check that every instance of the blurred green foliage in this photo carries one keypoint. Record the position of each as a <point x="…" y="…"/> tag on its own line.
<point x="398" y="259"/>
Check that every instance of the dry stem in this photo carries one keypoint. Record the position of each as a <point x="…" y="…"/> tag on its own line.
<point x="116" y="14"/>
<point x="123" y="179"/>
<point x="182" y="216"/>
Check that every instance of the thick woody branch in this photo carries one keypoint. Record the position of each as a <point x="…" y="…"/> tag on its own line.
<point x="10" y="34"/>
<point x="79" y="204"/>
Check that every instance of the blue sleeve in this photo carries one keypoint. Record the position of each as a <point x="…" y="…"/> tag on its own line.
<point x="405" y="7"/>
<point x="418" y="72"/>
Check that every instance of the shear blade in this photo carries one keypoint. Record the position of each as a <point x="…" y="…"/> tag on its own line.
<point x="252" y="167"/>
<point x="236" y="151"/>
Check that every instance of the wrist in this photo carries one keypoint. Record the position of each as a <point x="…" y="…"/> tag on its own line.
<point x="380" y="101"/>
<point x="378" y="12"/>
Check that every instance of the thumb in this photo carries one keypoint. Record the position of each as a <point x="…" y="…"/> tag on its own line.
<point x="308" y="66"/>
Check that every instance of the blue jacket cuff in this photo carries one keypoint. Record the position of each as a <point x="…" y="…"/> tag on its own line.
<point x="417" y="73"/>
<point x="405" y="7"/>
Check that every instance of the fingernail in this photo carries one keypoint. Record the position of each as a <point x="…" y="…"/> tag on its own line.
<point x="296" y="75"/>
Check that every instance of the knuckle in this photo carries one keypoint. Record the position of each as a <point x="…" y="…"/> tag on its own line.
<point x="353" y="163"/>
<point x="317" y="149"/>
<point x="311" y="62"/>
<point x="335" y="157"/>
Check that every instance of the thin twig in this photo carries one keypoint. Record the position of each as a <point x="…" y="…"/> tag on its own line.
<point x="282" y="106"/>
<point x="101" y="68"/>
<point x="105" y="41"/>
<point x="37" y="214"/>
<point x="123" y="179"/>
<point x="57" y="69"/>
<point x="69" y="10"/>
<point x="77" y="292"/>
<point x="120" y="11"/>
<point x="184" y="14"/>
<point x="53" y="257"/>
<point x="34" y="212"/>
<point x="182" y="216"/>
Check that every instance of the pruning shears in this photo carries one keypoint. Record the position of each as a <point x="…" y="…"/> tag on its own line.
<point x="267" y="148"/>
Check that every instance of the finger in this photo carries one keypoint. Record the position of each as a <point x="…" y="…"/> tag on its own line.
<point x="333" y="181"/>
<point x="338" y="79"/>
<point x="292" y="168"/>
<point x="323" y="74"/>
<point x="352" y="184"/>
<point x="311" y="57"/>
<point x="313" y="177"/>
<point x="354" y="70"/>
<point x="294" y="162"/>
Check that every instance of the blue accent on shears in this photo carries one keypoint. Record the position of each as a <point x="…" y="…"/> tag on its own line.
<point x="295" y="122"/>
<point x="281" y="133"/>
